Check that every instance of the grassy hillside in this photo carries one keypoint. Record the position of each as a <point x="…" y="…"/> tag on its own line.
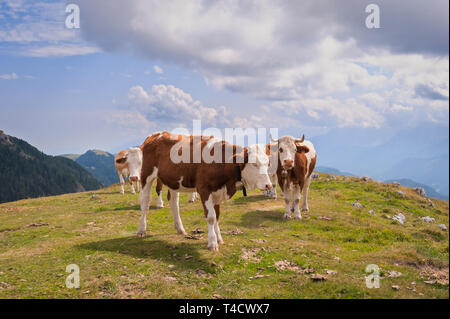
<point x="263" y="256"/>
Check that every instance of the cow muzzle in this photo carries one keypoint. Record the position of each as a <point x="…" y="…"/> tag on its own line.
<point x="288" y="164"/>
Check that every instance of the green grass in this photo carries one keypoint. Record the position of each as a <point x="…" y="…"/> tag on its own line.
<point x="98" y="234"/>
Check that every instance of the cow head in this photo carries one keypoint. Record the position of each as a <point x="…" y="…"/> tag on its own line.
<point x="255" y="172"/>
<point x="134" y="160"/>
<point x="287" y="147"/>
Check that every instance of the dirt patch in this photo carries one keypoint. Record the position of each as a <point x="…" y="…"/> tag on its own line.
<point x="287" y="265"/>
<point x="234" y="232"/>
<point x="26" y="226"/>
<point x="435" y="275"/>
<point x="249" y="255"/>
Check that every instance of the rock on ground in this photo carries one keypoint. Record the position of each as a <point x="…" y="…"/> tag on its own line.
<point x="420" y="191"/>
<point x="400" y="218"/>
<point x="401" y="193"/>
<point x="427" y="219"/>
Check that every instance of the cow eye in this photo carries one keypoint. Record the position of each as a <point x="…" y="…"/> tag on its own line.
<point x="281" y="150"/>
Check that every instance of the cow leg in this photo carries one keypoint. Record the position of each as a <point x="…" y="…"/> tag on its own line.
<point x="287" y="199"/>
<point x="216" y="225"/>
<point x="273" y="180"/>
<point x="159" y="185"/>
<point x="132" y="187"/>
<point x="193" y="197"/>
<point x="296" y="202"/>
<point x="305" y="207"/>
<point x="210" y="214"/>
<point x="145" y="198"/>
<point x="122" y="183"/>
<point x="175" y="208"/>
<point x="138" y="186"/>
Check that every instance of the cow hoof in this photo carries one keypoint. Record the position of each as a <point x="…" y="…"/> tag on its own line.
<point x="141" y="234"/>
<point x="214" y="247"/>
<point x="159" y="206"/>
<point x="122" y="192"/>
<point x="221" y="242"/>
<point x="182" y="232"/>
<point x="133" y="192"/>
<point x="286" y="216"/>
<point x="305" y="209"/>
<point x="298" y="217"/>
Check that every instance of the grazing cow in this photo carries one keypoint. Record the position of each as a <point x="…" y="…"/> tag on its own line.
<point x="212" y="167"/>
<point x="128" y="164"/>
<point x="296" y="161"/>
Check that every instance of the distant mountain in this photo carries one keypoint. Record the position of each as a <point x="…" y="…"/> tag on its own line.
<point x="100" y="164"/>
<point x="73" y="157"/>
<point x="330" y="170"/>
<point x="418" y="153"/>
<point x="431" y="192"/>
<point x="27" y="172"/>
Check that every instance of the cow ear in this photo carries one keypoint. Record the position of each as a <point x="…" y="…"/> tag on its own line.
<point x="121" y="160"/>
<point x="302" y="148"/>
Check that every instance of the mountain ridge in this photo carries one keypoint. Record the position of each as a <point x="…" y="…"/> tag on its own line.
<point x="27" y="172"/>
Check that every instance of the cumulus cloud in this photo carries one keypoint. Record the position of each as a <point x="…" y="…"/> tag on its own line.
<point x="172" y="106"/>
<point x="289" y="52"/>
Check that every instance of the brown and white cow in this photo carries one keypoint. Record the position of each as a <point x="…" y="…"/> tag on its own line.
<point x="128" y="164"/>
<point x="296" y="161"/>
<point x="215" y="175"/>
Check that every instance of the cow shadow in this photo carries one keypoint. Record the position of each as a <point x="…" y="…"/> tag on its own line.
<point x="249" y="199"/>
<point x="255" y="218"/>
<point x="187" y="256"/>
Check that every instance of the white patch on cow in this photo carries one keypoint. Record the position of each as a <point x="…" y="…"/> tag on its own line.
<point x="220" y="195"/>
<point x="174" y="203"/>
<point x="286" y="149"/>
<point x="211" y="220"/>
<point x="160" y="202"/>
<point x="255" y="173"/>
<point x="145" y="199"/>
<point x="134" y="160"/>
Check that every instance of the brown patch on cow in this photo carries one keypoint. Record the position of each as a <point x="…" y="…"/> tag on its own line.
<point x="120" y="161"/>
<point x="312" y="165"/>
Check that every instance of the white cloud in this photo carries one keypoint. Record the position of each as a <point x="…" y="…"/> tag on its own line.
<point x="169" y="104"/>
<point x="58" y="50"/>
<point x="37" y="29"/>
<point x="10" y="76"/>
<point x="287" y="53"/>
<point x="158" y="69"/>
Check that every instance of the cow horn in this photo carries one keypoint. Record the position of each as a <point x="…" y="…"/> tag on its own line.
<point x="272" y="139"/>
<point x="301" y="140"/>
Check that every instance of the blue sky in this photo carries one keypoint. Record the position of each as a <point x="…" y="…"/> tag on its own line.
<point x="139" y="66"/>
